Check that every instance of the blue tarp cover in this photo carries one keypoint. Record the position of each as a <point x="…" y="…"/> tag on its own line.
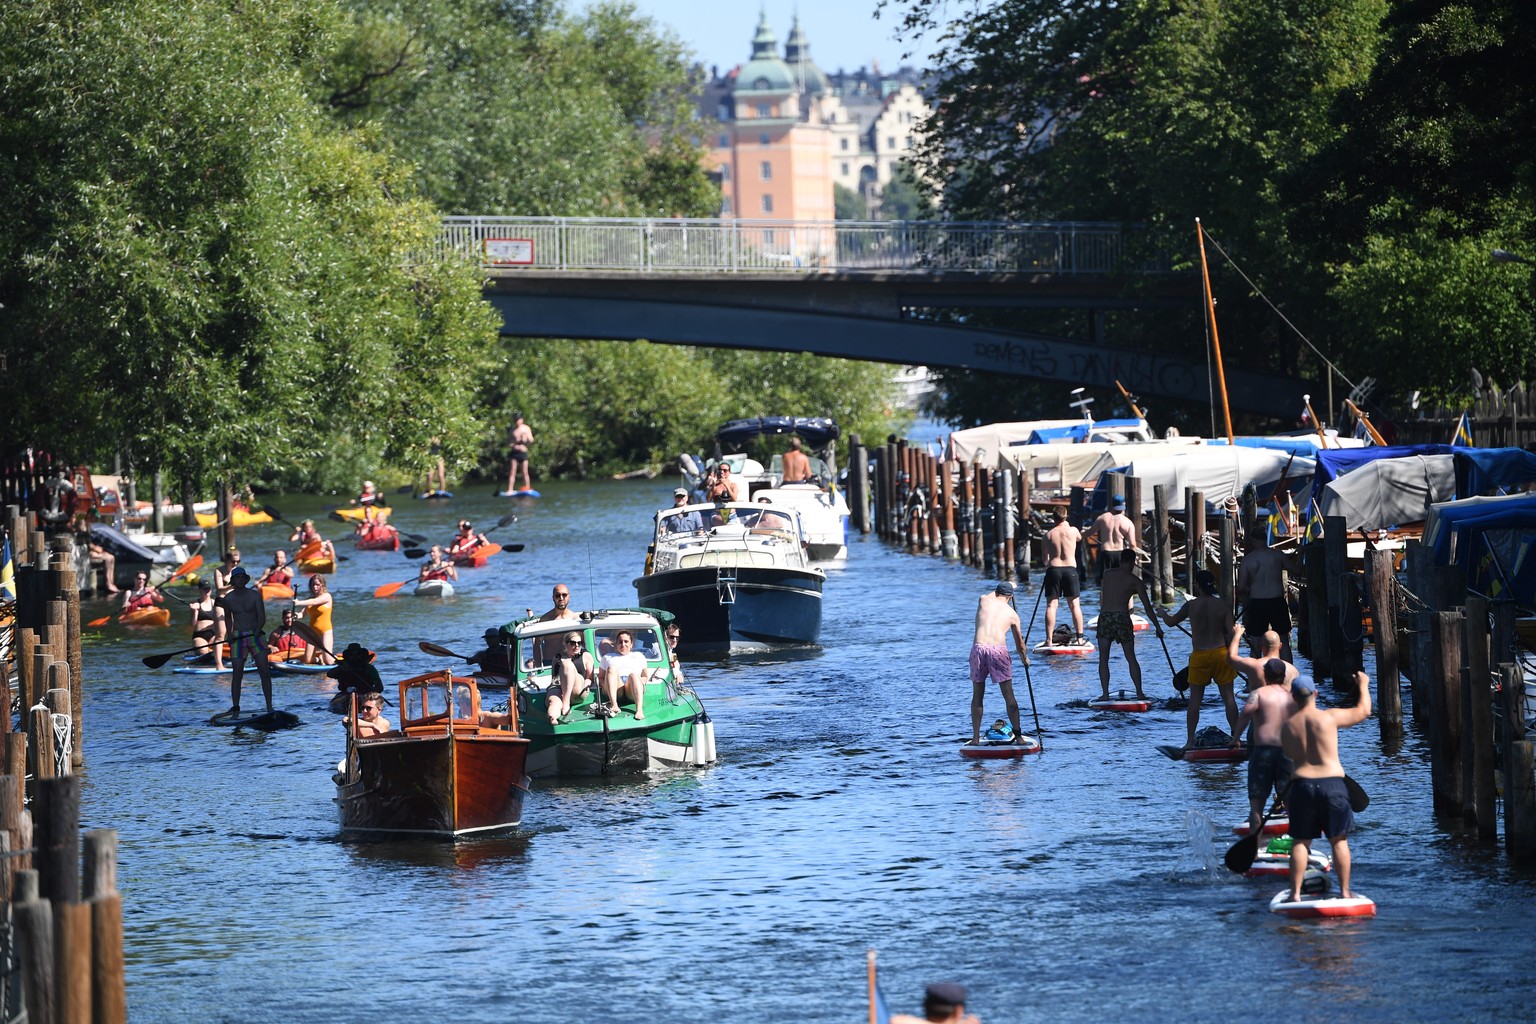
<point x="1492" y="470"/>
<point x="1335" y="462"/>
<point x="816" y="431"/>
<point x="1490" y="539"/>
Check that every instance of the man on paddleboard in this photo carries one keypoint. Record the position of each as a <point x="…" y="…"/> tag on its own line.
<point x="246" y="614"/>
<point x="995" y="619"/>
<point x="943" y="1003"/>
<point x="1115" y="536"/>
<point x="1261" y="589"/>
<point x="518" y="440"/>
<point x="1121" y="585"/>
<point x="1210" y="630"/>
<point x="1319" y="800"/>
<point x="1061" y="578"/>
<point x="1268" y="709"/>
<point x="1253" y="668"/>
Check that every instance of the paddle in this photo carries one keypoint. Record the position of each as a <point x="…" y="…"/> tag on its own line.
<point x="391" y="589"/>
<point x="158" y="660"/>
<point x="1359" y="799"/>
<point x="185" y="567"/>
<point x="429" y="647"/>
<point x="1240" y="858"/>
<point x="1024" y="656"/>
<point x="415" y="553"/>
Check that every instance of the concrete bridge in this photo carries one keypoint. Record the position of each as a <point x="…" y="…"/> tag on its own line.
<point x="860" y="290"/>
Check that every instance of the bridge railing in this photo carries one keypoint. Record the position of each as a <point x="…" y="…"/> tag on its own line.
<point x="725" y="246"/>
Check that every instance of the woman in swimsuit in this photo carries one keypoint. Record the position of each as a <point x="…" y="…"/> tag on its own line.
<point x="318" y="607"/>
<point x="207" y="625"/>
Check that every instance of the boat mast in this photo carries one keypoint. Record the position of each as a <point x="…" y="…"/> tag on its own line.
<point x="1210" y="307"/>
<point x="1366" y="422"/>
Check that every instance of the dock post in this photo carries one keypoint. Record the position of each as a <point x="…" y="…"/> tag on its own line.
<point x="1194" y="536"/>
<point x="858" y="484"/>
<point x="1004" y="514"/>
<point x="33" y="919"/>
<point x="935" y="506"/>
<point x="947" y="539"/>
<point x="1336" y="559"/>
<point x="1384" y="617"/>
<point x="1480" y="796"/>
<point x="1162" y="545"/>
<point x="1021" y="542"/>
<point x="963" y="527"/>
<point x="1226" y="579"/>
<point x="108" y="990"/>
<point x="1520" y="801"/>
<point x="1315" y="564"/>
<point x="1445" y="718"/>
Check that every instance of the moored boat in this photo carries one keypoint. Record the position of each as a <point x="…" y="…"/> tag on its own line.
<point x="742" y="582"/>
<point x="447" y="771"/>
<point x="675" y="731"/>
<point x="823" y="516"/>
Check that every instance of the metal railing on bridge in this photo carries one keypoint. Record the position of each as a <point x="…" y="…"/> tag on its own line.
<point x="682" y="246"/>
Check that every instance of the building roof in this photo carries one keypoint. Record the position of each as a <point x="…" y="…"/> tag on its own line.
<point x="797" y="53"/>
<point x="766" y="71"/>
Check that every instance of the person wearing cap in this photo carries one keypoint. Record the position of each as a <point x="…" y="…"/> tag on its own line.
<point x="285" y="641"/>
<point x="1210" y="634"/>
<point x="571" y="675"/>
<point x="495" y="658"/>
<point x="1318" y="801"/>
<point x="245" y="615"/>
<point x="1113" y="534"/>
<point x="369" y="496"/>
<point x="1261" y="589"/>
<point x="207" y="625"/>
<point x="519" y="437"/>
<point x="943" y="1003"/>
<point x="1269" y="708"/>
<point x="1119" y="588"/>
<point x="682" y="522"/>
<point x="465" y="541"/>
<point x="995" y="619"/>
<point x="1061" y="578"/>
<point x="354" y="671"/>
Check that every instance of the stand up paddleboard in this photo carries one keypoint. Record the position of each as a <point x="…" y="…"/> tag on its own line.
<point x="1322" y="906"/>
<point x="434" y="495"/>
<point x="990" y="750"/>
<point x="1218" y="755"/>
<point x="1121" y="700"/>
<point x="1267" y="863"/>
<point x="1046" y="647"/>
<point x="267" y="720"/>
<point x="526" y="492"/>
<point x="1276" y="826"/>
<point x="298" y="668"/>
<point x="202" y="670"/>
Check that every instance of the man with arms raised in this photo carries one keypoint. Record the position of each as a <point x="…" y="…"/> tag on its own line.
<point x="1115" y="535"/>
<point x="1268" y="709"/>
<point x="995" y="619"/>
<point x="1210" y="630"/>
<point x="1121" y="586"/>
<point x="1253" y="668"/>
<point x="1319" y="801"/>
<point x="1061" y="573"/>
<point x="246" y="615"/>
<point x="1261" y="589"/>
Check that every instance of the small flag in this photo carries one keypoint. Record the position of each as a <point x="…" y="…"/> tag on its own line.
<point x="1463" y="435"/>
<point x="7" y="572"/>
<point x="1314" y="525"/>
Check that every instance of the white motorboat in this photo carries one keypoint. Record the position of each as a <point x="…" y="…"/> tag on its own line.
<point x="823" y="515"/>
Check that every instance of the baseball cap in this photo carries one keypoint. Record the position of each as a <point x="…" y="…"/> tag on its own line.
<point x="1005" y="589"/>
<point x="1302" y="687"/>
<point x="1118" y="501"/>
<point x="945" y="994"/>
<point x="681" y="492"/>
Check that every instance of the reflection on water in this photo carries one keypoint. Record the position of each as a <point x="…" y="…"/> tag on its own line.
<point x="1080" y="884"/>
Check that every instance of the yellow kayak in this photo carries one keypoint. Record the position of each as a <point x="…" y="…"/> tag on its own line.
<point x="318" y="564"/>
<point x="242" y="516"/>
<point x="359" y="513"/>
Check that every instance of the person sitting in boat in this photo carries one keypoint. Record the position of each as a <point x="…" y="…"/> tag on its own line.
<point x="682" y="522"/>
<point x="436" y="567"/>
<point x="207" y="625"/>
<point x="108" y="562"/>
<point x="311" y="544"/>
<point x="496" y="657"/>
<point x="355" y="673"/>
<point x="285" y="643"/>
<point x="672" y="633"/>
<point x="797" y="468"/>
<point x="318" y="607"/>
<point x="722" y="486"/>
<point x="141" y="595"/>
<point x="465" y="541"/>
<point x="223" y="571"/>
<point x="370" y="718"/>
<point x="279" y="573"/>
<point x="624" y="673"/>
<point x="370" y="495"/>
<point x="570" y="677"/>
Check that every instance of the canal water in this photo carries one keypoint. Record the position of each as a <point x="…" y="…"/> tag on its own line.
<point x="1081" y="885"/>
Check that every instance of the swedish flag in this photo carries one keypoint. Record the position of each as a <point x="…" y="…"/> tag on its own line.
<point x="7" y="572"/>
<point x="1463" y="436"/>
<point x="1314" y="525"/>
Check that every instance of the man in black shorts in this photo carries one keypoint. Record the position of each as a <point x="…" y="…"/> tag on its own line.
<point x="1318" y="800"/>
<point x="1061" y="578"/>
<point x="1261" y="588"/>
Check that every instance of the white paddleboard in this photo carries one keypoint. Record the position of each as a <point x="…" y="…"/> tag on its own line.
<point x="1322" y="906"/>
<point x="991" y="750"/>
<point x="1267" y="863"/>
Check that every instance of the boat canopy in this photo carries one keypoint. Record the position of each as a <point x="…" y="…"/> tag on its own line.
<point x="1491" y="538"/>
<point x="1109" y="431"/>
<point x="1389" y="491"/>
<point x="1492" y="470"/>
<point x="1058" y="467"/>
<point x="1218" y="473"/>
<point x="990" y="440"/>
<point x="816" y="431"/>
<point x="1298" y="444"/>
<point x="1334" y="463"/>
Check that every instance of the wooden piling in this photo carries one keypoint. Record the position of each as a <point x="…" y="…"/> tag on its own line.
<point x="1194" y="536"/>
<point x="1004" y="513"/>
<point x="108" y="989"/>
<point x="1383" y="584"/>
<point x="963" y="527"/>
<point x="858" y="478"/>
<point x="1479" y="795"/>
<point x="1021" y="541"/>
<point x="11" y="810"/>
<point x="1336" y="560"/>
<point x="1162" y="546"/>
<point x="72" y="960"/>
<point x="1417" y="621"/>
<point x="1226" y="579"/>
<point x="33" y="920"/>
<point x="935" y="507"/>
<point x="1445" y="717"/>
<point x="1315" y="566"/>
<point x="1520" y="801"/>
<point x="56" y="834"/>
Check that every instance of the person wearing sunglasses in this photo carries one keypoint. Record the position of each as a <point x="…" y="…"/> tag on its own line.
<point x="570" y="677"/>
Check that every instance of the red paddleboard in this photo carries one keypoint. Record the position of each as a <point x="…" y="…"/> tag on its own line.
<point x="1322" y="906"/>
<point x="1138" y="623"/>
<point x="1085" y="647"/>
<point x="1220" y="755"/>
<point x="1121" y="700"/>
<point x="1276" y="826"/>
<point x="992" y="750"/>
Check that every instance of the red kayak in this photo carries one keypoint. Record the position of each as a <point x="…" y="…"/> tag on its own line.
<point x="478" y="557"/>
<point x="379" y="538"/>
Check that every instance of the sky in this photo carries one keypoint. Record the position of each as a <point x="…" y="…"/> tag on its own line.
<point x="844" y="34"/>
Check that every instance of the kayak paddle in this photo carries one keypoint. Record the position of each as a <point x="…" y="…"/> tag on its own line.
<point x="157" y="660"/>
<point x="391" y="589"/>
<point x="429" y="647"/>
<point x="181" y="570"/>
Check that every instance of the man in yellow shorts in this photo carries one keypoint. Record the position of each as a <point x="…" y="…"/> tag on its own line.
<point x="1210" y="630"/>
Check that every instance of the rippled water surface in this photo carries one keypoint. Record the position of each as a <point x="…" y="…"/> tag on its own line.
<point x="1082" y="885"/>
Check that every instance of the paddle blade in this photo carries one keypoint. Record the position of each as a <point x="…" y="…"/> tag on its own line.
<point x="101" y="622"/>
<point x="1181" y="680"/>
<point x="413" y="553"/>
<point x="269" y="510"/>
<point x="514" y="547"/>
<point x="1240" y="858"/>
<point x="309" y="633"/>
<point x="195" y="562"/>
<point x="404" y="490"/>
<point x="1171" y="752"/>
<point x="490" y="548"/>
<point x="429" y="647"/>
<point x="413" y="538"/>
<point x="157" y="660"/>
<point x="1359" y="800"/>
<point x="390" y="589"/>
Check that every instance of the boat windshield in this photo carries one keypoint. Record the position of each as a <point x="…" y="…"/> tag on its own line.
<point x="647" y="641"/>
<point x="430" y="699"/>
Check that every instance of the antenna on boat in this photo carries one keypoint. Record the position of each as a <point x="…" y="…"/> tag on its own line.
<point x="590" y="602"/>
<point x="1082" y="404"/>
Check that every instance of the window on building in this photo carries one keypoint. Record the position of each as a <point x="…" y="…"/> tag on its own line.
<point x="765" y="110"/>
<point x="762" y="140"/>
<point x="765" y="171"/>
<point x="725" y="141"/>
<point x="906" y="143"/>
<point x="845" y="170"/>
<point x="890" y="142"/>
<point x="725" y="206"/>
<point x="725" y="172"/>
<point x="842" y="144"/>
<point x="767" y="204"/>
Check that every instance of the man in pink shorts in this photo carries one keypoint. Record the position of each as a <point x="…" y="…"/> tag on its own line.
<point x="995" y="619"/>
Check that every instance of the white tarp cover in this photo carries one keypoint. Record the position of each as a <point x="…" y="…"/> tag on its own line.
<point x="1390" y="492"/>
<point x="992" y="440"/>
<point x="1082" y="463"/>
<point x="1217" y="472"/>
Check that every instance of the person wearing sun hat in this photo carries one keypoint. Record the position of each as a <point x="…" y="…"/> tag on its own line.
<point x="995" y="619"/>
<point x="246" y="616"/>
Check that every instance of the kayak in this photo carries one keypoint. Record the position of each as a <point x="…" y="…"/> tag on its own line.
<point x="1322" y="906"/>
<point x="1045" y="647"/>
<point x="380" y="538"/>
<point x="1138" y="622"/>
<point x="360" y="512"/>
<point x="241" y="516"/>
<point x="298" y="668"/>
<point x="1121" y="700"/>
<point x="276" y="592"/>
<point x="477" y="558"/>
<point x="434" y="588"/>
<point x="318" y="564"/>
<point x="992" y="750"/>
<point x="146" y="617"/>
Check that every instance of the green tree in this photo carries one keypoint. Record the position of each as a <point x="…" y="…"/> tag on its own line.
<point x="848" y="204"/>
<point x="903" y="197"/>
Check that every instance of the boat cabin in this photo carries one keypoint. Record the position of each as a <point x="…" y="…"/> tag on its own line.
<point x="540" y="644"/>
<point x="440" y="702"/>
<point x="734" y="534"/>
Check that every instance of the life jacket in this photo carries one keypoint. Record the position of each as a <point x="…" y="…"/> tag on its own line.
<point x="139" y="602"/>
<point x="439" y="573"/>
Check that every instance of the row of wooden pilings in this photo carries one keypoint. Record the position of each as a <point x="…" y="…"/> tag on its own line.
<point x="63" y="938"/>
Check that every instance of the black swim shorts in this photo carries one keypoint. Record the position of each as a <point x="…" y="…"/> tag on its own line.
<point x="1319" y="807"/>
<point x="1268" y="769"/>
<point x="1061" y="581"/>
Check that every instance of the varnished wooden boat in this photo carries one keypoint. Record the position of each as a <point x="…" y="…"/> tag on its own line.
<point x="445" y="772"/>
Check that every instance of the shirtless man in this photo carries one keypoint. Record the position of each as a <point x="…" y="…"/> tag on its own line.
<point x="1261" y="589"/>
<point x="571" y="677"/>
<point x="797" y="468"/>
<point x="1114" y="534"/>
<point x="1210" y="623"/>
<point x="1318" y="801"/>
<point x="1268" y="709"/>
<point x="518" y="440"/>
<point x="247" y="616"/>
<point x="545" y="648"/>
<point x="1121" y="585"/>
<point x="995" y="619"/>
<point x="370" y="717"/>
<point x="1061" y="573"/>
<point x="1253" y="668"/>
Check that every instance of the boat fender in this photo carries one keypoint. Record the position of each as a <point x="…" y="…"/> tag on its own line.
<point x="709" y="737"/>
<point x="690" y="468"/>
<point x="698" y="749"/>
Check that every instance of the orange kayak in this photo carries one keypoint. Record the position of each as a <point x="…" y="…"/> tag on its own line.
<point x="146" y="617"/>
<point x="276" y="592"/>
<point x="478" y="557"/>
